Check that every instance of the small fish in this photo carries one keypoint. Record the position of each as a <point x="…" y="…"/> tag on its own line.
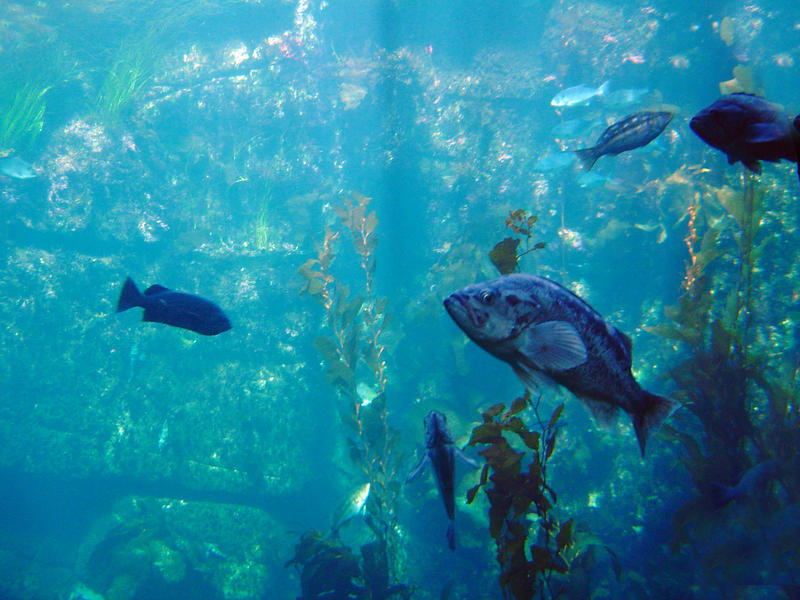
<point x="546" y="332"/>
<point x="751" y="483"/>
<point x="14" y="166"/>
<point x="554" y="162"/>
<point x="634" y="131"/>
<point x="441" y="453"/>
<point x="625" y="97"/>
<point x="748" y="129"/>
<point x="162" y="305"/>
<point x="579" y="94"/>
<point x="356" y="504"/>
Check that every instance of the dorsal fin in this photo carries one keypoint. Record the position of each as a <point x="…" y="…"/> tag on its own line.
<point x="155" y="289"/>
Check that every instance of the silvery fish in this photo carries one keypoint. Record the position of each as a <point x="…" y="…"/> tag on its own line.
<point x="579" y="94"/>
<point x="748" y="129"/>
<point x="634" y="131"/>
<point x="356" y="504"/>
<point x="625" y="97"/>
<point x="441" y="453"/>
<point x="15" y="167"/>
<point x="752" y="482"/>
<point x="544" y="331"/>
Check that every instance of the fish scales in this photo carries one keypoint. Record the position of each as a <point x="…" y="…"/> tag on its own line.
<point x="608" y="362"/>
<point x="544" y="331"/>
<point x="634" y="131"/>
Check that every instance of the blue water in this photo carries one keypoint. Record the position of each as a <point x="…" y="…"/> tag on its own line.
<point x="211" y="147"/>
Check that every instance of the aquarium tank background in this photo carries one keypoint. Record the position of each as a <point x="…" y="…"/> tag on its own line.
<point x="326" y="173"/>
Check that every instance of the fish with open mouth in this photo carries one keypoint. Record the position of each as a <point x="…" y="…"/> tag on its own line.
<point x="545" y="332"/>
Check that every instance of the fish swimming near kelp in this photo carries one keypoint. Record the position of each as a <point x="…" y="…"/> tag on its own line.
<point x="753" y="481"/>
<point x="749" y="129"/>
<point x="634" y="131"/>
<point x="441" y="453"/>
<point x="579" y="94"/>
<point x="545" y="332"/>
<point x="179" y="309"/>
<point x="355" y="504"/>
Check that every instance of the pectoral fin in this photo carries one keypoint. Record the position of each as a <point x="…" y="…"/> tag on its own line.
<point x="418" y="469"/>
<point x="554" y="345"/>
<point x="466" y="459"/>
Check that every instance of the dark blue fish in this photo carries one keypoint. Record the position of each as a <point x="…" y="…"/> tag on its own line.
<point x="544" y="331"/>
<point x="752" y="482"/>
<point x="162" y="305"/>
<point x="748" y="129"/>
<point x="441" y="453"/>
<point x="634" y="131"/>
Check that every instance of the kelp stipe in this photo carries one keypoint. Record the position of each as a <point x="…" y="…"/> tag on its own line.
<point x="355" y="354"/>
<point x="514" y="492"/>
<point x="737" y="389"/>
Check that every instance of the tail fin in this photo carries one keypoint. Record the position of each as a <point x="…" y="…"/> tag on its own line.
<point x="655" y="410"/>
<point x="129" y="297"/>
<point x="451" y="536"/>
<point x="588" y="157"/>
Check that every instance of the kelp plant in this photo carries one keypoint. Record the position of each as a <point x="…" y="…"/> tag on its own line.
<point x="330" y="570"/>
<point x="735" y="383"/>
<point x="515" y="484"/>
<point x="355" y="354"/>
<point x="505" y="256"/>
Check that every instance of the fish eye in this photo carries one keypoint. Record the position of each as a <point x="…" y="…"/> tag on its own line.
<point x="487" y="297"/>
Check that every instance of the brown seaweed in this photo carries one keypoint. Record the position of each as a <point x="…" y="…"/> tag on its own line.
<point x="515" y="491"/>
<point x="505" y="256"/>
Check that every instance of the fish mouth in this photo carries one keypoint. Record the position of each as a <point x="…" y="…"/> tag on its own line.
<point x="461" y="311"/>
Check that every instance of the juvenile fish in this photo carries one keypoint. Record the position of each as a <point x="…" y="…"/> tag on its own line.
<point x="441" y="453"/>
<point x="546" y="332"/>
<point x="634" y="131"/>
<point x="579" y="94"/>
<point x="162" y="305"/>
<point x="749" y="129"/>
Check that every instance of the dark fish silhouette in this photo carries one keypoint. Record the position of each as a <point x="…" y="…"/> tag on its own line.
<point x="752" y="482"/>
<point x="634" y="131"/>
<point x="162" y="305"/>
<point x="748" y="129"/>
<point x="441" y="453"/>
<point x="545" y="331"/>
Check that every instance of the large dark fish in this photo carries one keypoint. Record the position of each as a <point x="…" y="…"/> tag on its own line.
<point x="545" y="331"/>
<point x="441" y="453"/>
<point x="748" y="129"/>
<point x="634" y="131"/>
<point x="178" y="309"/>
